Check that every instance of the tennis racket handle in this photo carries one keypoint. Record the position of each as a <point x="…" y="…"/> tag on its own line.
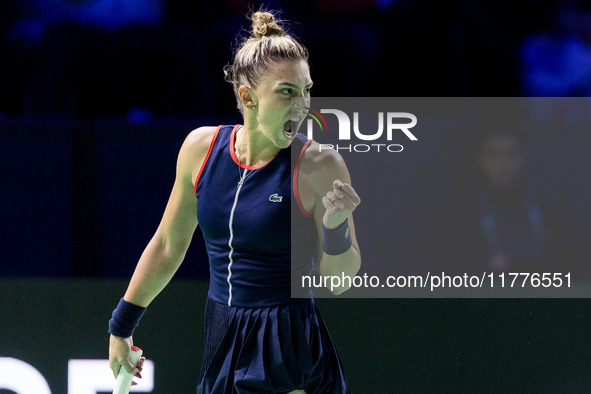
<point x="124" y="378"/>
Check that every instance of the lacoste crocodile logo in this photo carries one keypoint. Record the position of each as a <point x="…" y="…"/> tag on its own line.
<point x="275" y="198"/>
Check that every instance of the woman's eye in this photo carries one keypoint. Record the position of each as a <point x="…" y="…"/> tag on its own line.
<point x="292" y="92"/>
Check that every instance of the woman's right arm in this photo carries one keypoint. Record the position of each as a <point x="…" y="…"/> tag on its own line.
<point x="166" y="250"/>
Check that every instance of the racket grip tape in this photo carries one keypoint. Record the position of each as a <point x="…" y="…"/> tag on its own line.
<point x="124" y="378"/>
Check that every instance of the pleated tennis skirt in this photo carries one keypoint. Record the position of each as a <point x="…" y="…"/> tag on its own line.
<point x="275" y="349"/>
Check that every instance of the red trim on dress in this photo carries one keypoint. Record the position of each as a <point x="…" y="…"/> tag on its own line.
<point x="295" y="180"/>
<point x="215" y="136"/>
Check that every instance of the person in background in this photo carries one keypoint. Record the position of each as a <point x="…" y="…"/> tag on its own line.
<point x="501" y="222"/>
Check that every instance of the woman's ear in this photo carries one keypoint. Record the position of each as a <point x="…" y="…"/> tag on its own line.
<point x="247" y="96"/>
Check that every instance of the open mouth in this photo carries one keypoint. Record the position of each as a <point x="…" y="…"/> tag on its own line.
<point x="290" y="128"/>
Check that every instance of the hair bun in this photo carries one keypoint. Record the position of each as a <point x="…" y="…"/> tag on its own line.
<point x="263" y="24"/>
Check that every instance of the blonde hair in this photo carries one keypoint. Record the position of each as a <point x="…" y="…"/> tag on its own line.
<point x="268" y="43"/>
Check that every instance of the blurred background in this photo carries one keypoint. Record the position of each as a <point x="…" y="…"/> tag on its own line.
<point x="96" y="97"/>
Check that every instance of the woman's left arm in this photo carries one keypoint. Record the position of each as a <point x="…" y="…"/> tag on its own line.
<point x="334" y="202"/>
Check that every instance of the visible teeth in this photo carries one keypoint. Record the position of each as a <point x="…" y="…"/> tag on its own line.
<point x="287" y="130"/>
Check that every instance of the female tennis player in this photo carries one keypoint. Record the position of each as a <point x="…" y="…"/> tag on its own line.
<point x="238" y="178"/>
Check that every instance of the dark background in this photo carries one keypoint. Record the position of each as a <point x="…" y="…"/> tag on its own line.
<point x="96" y="101"/>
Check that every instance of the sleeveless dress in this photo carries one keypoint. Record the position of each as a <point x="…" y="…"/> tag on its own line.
<point x="258" y="339"/>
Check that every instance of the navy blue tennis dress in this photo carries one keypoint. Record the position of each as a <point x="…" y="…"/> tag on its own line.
<point x="258" y="338"/>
